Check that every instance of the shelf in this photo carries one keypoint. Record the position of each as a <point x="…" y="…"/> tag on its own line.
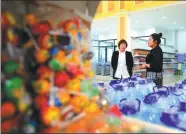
<point x="169" y="58"/>
<point x="169" y="62"/>
<point x="169" y="53"/>
<point x="141" y="70"/>
<point x="143" y="56"/>
<point x="168" y="68"/>
<point x="141" y="49"/>
<point x="138" y="63"/>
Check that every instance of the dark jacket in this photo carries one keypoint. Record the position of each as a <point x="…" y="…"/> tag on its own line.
<point x="155" y="59"/>
<point x="129" y="62"/>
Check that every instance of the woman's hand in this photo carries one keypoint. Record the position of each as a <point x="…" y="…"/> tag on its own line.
<point x="143" y="66"/>
<point x="147" y="65"/>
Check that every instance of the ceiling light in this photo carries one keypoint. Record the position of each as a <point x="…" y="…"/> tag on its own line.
<point x="164" y="17"/>
<point x="136" y="21"/>
<point x="174" y="23"/>
<point x="182" y="27"/>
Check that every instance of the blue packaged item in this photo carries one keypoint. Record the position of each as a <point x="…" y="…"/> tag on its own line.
<point x="149" y="113"/>
<point x="129" y="106"/>
<point x="150" y="84"/>
<point x="182" y="106"/>
<point x="161" y="90"/>
<point x="130" y="90"/>
<point x="174" y="119"/>
<point x="142" y="87"/>
<point x="174" y="95"/>
<point x="184" y="84"/>
<point x="112" y="82"/>
<point x="152" y="98"/>
<point x="101" y="84"/>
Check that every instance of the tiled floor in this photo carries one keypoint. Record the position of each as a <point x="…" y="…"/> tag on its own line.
<point x="168" y="79"/>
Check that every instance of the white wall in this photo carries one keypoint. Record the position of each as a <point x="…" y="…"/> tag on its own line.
<point x="181" y="41"/>
<point x="170" y="36"/>
<point x="170" y="39"/>
<point x="141" y="32"/>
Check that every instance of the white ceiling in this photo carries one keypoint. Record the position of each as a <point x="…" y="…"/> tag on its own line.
<point x="172" y="17"/>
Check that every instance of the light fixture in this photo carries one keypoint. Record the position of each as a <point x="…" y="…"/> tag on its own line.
<point x="136" y="21"/>
<point x="174" y="23"/>
<point x="182" y="27"/>
<point x="164" y="17"/>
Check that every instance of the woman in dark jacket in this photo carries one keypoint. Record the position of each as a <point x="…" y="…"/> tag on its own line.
<point x="154" y="60"/>
<point x="122" y="61"/>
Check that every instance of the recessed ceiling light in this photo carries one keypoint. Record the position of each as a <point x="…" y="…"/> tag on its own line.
<point x="164" y="17"/>
<point x="174" y="23"/>
<point x="182" y="27"/>
<point x="136" y="21"/>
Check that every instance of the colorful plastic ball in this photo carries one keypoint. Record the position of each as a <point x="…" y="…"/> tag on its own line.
<point x="73" y="85"/>
<point x="55" y="65"/>
<point x="41" y="56"/>
<point x="43" y="27"/>
<point x="79" y="103"/>
<point x="31" y="19"/>
<point x="70" y="27"/>
<point x="12" y="37"/>
<point x="14" y="83"/>
<point x="50" y="115"/>
<point x="7" y="110"/>
<point x="44" y="72"/>
<point x="10" y="67"/>
<point x="61" y="79"/>
<point x="58" y="103"/>
<point x="42" y="86"/>
<point x="45" y="42"/>
<point x="53" y="51"/>
<point x="41" y="101"/>
<point x="10" y="19"/>
<point x="63" y="97"/>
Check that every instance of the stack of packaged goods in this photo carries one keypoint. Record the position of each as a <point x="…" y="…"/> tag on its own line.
<point x="140" y="98"/>
<point x="53" y="91"/>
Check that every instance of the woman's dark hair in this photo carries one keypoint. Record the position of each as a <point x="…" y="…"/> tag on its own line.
<point x="156" y="37"/>
<point x="122" y="41"/>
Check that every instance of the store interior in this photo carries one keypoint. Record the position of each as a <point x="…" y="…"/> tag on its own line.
<point x="166" y="19"/>
<point x="56" y="75"/>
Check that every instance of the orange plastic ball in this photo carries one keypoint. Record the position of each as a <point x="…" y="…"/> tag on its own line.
<point x="73" y="85"/>
<point x="42" y="86"/>
<point x="63" y="97"/>
<point x="79" y="102"/>
<point x="41" y="55"/>
<point x="44" y="72"/>
<point x="70" y="27"/>
<point x="45" y="42"/>
<point x="31" y="19"/>
<point x="50" y="115"/>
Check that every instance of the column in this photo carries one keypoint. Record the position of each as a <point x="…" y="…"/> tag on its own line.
<point x="124" y="29"/>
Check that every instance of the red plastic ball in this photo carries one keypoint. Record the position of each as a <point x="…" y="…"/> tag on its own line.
<point x="61" y="79"/>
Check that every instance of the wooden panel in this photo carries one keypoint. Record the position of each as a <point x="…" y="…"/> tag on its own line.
<point x="100" y="8"/>
<point x="122" y="4"/>
<point x="110" y="5"/>
<point x="139" y="2"/>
